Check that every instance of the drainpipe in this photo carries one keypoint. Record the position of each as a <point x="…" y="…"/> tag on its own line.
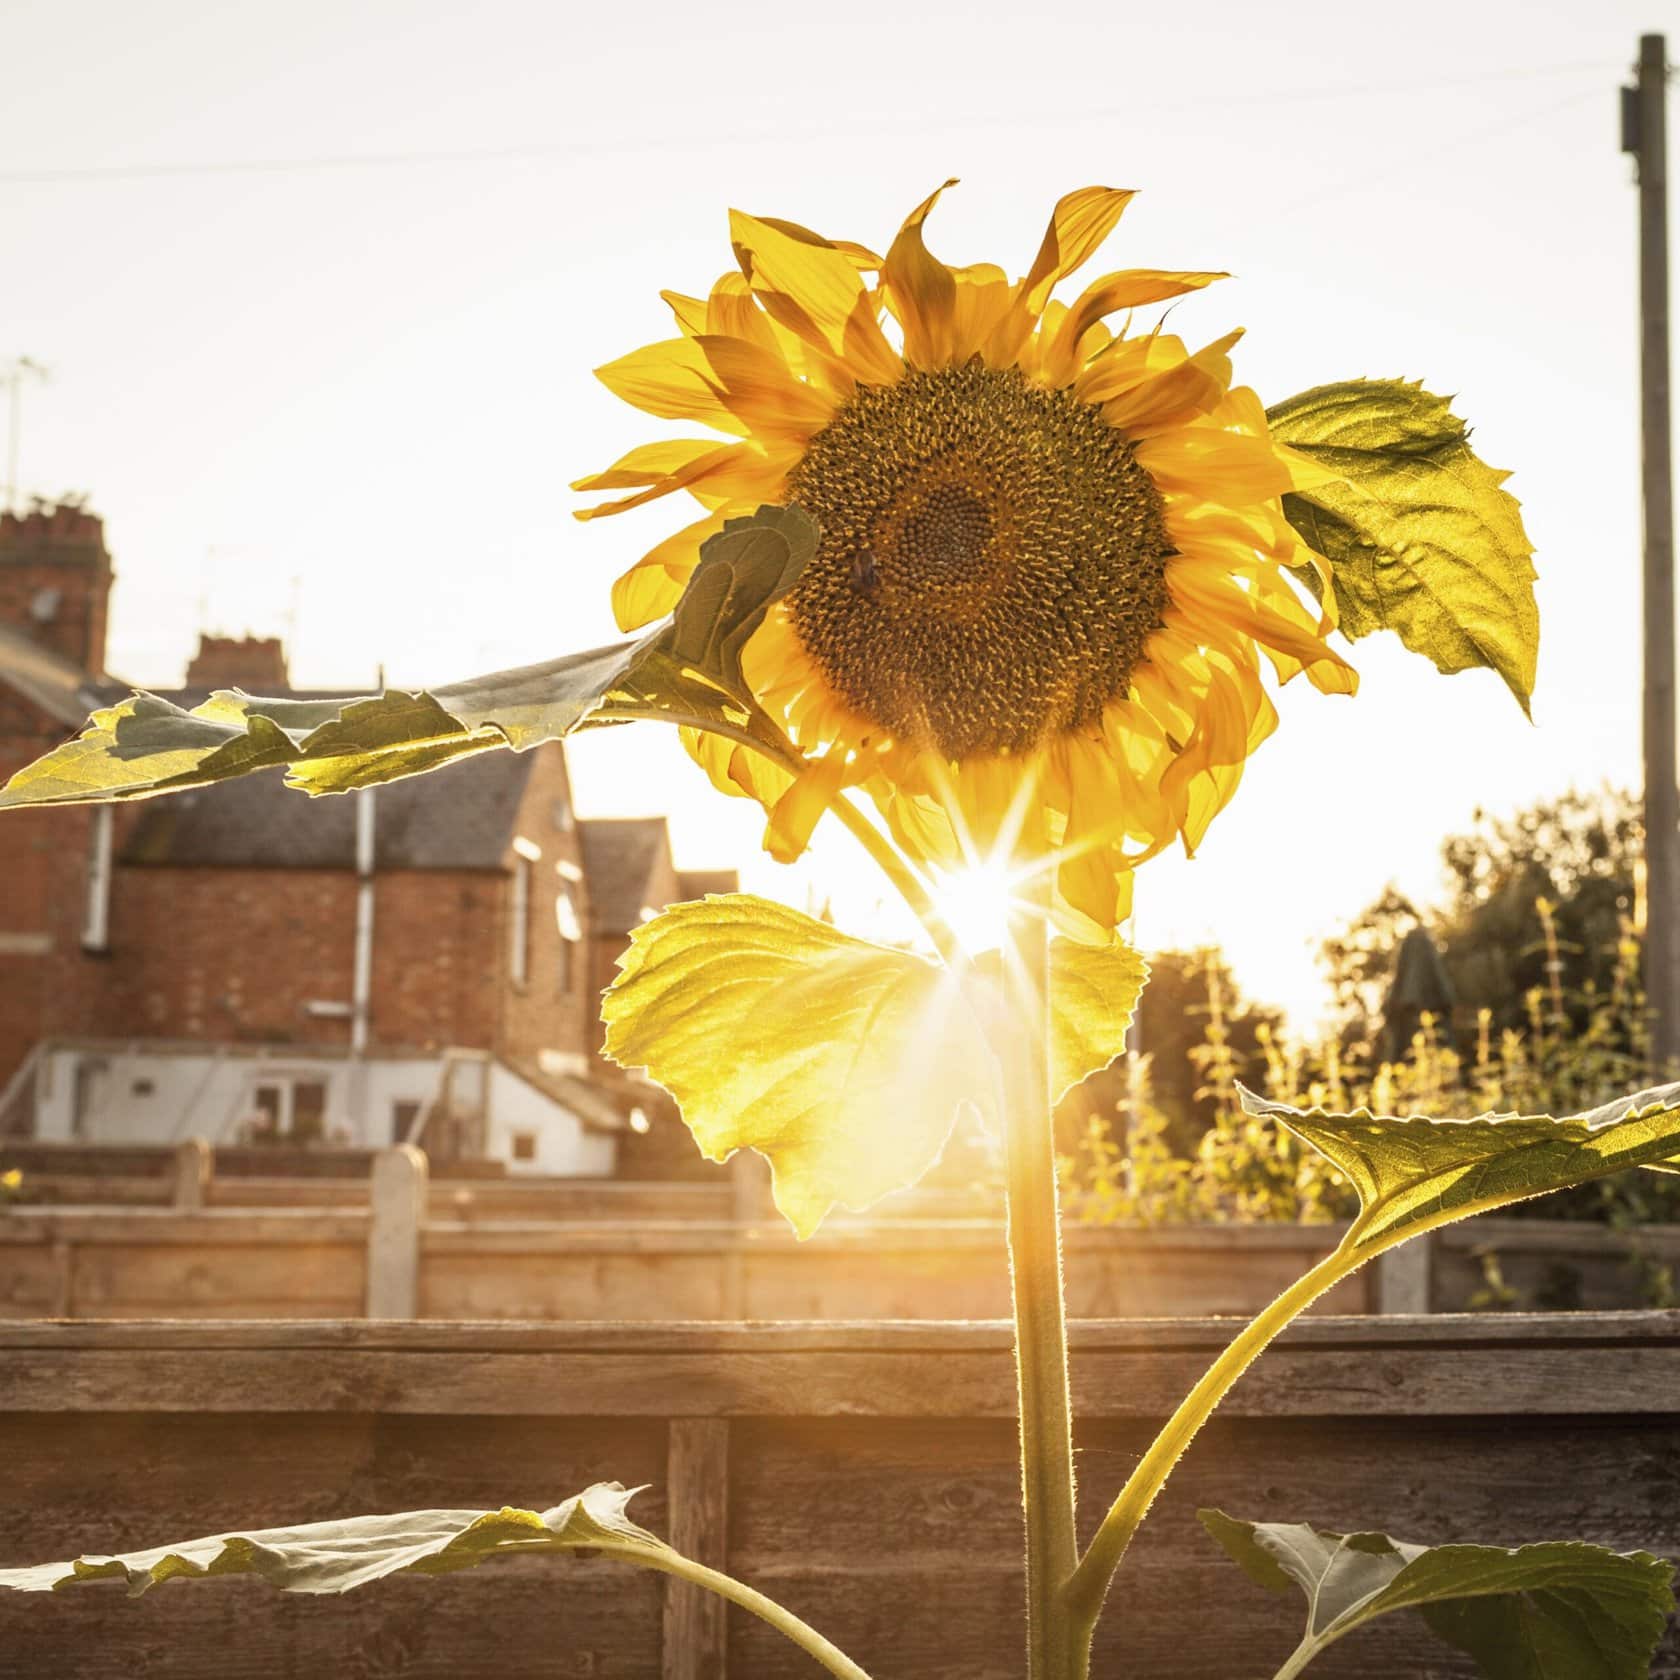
<point x="361" y="984"/>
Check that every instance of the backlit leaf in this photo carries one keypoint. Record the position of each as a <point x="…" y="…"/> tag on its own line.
<point x="1563" y="1610"/>
<point x="843" y="1063"/>
<point x="1093" y="992"/>
<point x="1414" y="1174"/>
<point x="687" y="668"/>
<point x="1420" y="537"/>
<point x="331" y="1557"/>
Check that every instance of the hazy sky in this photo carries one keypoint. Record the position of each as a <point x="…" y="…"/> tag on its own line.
<point x="321" y="286"/>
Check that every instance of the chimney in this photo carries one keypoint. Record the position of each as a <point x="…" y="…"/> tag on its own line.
<point x="256" y="664"/>
<point x="55" y="581"/>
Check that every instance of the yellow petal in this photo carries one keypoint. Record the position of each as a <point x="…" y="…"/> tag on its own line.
<point x="758" y="388"/>
<point x="816" y="292"/>
<point x="690" y="312"/>
<point x="982" y="300"/>
<point x="655" y="583"/>
<point x="672" y="379"/>
<point x="1130" y="288"/>
<point x="923" y="291"/>
<point x="1205" y="461"/>
<point x="1080" y="222"/>
<point x="648" y="463"/>
<point x="796" y="813"/>
<point x="1178" y="395"/>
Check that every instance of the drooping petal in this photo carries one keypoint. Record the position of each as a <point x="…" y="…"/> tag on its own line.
<point x="797" y="812"/>
<point x="653" y="586"/>
<point x="1081" y="221"/>
<point x="1130" y="288"/>
<point x="815" y="291"/>
<point x="922" y="292"/>
<point x="1177" y="395"/>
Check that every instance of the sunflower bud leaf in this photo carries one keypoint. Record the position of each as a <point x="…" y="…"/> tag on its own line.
<point x="1420" y="536"/>
<point x="1564" y="1609"/>
<point x="1415" y="1174"/>
<point x="844" y="1063"/>
<point x="687" y="667"/>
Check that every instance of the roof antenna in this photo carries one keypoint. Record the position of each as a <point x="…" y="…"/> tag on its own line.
<point x="12" y="376"/>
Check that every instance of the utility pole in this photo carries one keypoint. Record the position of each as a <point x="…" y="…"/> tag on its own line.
<point x="1644" y="134"/>
<point x="15" y="371"/>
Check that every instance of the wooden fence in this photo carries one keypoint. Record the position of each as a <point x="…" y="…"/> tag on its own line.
<point x="865" y="1474"/>
<point x="397" y="1248"/>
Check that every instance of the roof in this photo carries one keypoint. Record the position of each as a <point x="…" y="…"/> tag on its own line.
<point x="619" y="854"/>
<point x="59" y="686"/>
<point x="696" y="883"/>
<point x="459" y="817"/>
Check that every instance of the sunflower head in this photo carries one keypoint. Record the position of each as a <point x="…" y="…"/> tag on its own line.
<point x="1053" y="550"/>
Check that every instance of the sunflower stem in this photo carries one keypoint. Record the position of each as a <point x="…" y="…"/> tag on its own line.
<point x="1054" y="1649"/>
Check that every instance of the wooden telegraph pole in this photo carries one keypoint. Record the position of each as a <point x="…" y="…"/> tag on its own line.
<point x="1644" y="133"/>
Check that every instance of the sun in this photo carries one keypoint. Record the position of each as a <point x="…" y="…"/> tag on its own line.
<point x="975" y="904"/>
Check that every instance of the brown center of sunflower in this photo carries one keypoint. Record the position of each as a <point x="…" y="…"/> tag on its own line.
<point x="992" y="564"/>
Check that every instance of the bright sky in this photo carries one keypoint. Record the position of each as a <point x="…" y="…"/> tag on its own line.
<point x="321" y="284"/>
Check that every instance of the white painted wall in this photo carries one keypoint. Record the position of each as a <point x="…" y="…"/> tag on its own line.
<point x="142" y="1096"/>
<point x="563" y="1148"/>
<point x="135" y="1095"/>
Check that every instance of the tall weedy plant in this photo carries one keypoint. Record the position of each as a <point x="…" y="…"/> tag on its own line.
<point x="1004" y="616"/>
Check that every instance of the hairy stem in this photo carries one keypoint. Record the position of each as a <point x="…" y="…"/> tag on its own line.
<point x="668" y="1562"/>
<point x="1089" y="1585"/>
<point x="1035" y="1275"/>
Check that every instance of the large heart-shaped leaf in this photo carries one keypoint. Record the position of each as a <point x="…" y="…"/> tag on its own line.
<point x="844" y="1063"/>
<point x="1563" y="1610"/>
<point x="686" y="669"/>
<point x="1420" y="537"/>
<point x="1414" y="1174"/>
<point x="330" y="1557"/>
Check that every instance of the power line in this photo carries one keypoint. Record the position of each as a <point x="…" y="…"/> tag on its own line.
<point x="537" y="152"/>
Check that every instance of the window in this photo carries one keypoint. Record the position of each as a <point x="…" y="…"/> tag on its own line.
<point x="519" y="922"/>
<point x="309" y="1110"/>
<point x="571" y="932"/>
<point x="405" y="1112"/>
<point x="524" y="1146"/>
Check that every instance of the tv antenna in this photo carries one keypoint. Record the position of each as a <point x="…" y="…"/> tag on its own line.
<point x="13" y="375"/>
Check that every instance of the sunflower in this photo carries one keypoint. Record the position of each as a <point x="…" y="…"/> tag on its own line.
<point x="1052" y="555"/>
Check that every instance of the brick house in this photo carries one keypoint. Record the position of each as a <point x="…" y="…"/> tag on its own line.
<point x="417" y="961"/>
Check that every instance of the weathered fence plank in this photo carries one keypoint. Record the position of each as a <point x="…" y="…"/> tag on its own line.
<point x="865" y="1474"/>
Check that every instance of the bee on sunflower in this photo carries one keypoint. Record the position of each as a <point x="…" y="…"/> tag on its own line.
<point x="1053" y="549"/>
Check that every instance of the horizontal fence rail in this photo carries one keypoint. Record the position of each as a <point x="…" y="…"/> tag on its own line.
<point x="863" y="1473"/>
<point x="398" y="1244"/>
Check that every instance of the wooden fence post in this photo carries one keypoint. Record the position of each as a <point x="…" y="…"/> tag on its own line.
<point x="194" y="1163"/>
<point x="396" y="1211"/>
<point x="696" y="1635"/>
<point x="1403" y="1276"/>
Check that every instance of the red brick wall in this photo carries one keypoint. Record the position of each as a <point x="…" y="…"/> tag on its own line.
<point x="256" y="664"/>
<point x="61" y="549"/>
<point x="436" y="958"/>
<point x="545" y="1013"/>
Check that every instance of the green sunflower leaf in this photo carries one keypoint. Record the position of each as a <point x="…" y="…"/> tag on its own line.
<point x="1563" y="1610"/>
<point x="843" y="1063"/>
<point x="1415" y="1174"/>
<point x="1420" y="537"/>
<point x="686" y="668"/>
<point x="1093" y="993"/>
<point x="332" y="1557"/>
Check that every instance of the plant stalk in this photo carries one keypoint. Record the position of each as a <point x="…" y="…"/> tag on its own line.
<point x="1089" y="1585"/>
<point x="1035" y="1275"/>
<point x="812" y="1643"/>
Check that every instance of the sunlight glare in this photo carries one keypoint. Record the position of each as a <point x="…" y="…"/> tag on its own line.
<point x="975" y="902"/>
